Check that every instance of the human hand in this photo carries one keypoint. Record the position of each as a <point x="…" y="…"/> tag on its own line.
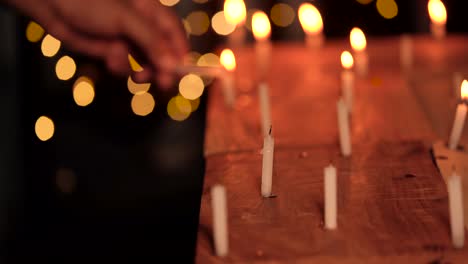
<point x="111" y="29"/>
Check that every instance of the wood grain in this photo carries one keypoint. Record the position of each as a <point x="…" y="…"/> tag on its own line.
<point x="392" y="205"/>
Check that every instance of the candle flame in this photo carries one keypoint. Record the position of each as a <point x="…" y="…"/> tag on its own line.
<point x="358" y="39"/>
<point x="464" y="90"/>
<point x="261" y="27"/>
<point x="310" y="18"/>
<point x="437" y="11"/>
<point x="228" y="60"/>
<point x="235" y="11"/>
<point x="347" y="60"/>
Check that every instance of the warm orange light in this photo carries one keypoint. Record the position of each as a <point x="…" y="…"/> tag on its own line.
<point x="261" y="27"/>
<point x="235" y="11"/>
<point x="358" y="39"/>
<point x="228" y="60"/>
<point x="464" y="90"/>
<point x="347" y="60"/>
<point x="310" y="18"/>
<point x="437" y="11"/>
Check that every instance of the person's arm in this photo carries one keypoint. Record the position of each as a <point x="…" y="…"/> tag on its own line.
<point x="111" y="29"/>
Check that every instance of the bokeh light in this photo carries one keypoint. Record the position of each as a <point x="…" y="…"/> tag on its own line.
<point x="357" y="39"/>
<point x="209" y="60"/>
<point x="50" y="46"/>
<point x="174" y="112"/>
<point x="183" y="104"/>
<point x="83" y="91"/>
<point x="282" y="14"/>
<point x="34" y="32"/>
<point x="228" y="60"/>
<point x="220" y="24"/>
<point x="195" y="104"/>
<point x="387" y="8"/>
<point x="199" y="22"/>
<point x="143" y="104"/>
<point x="169" y="2"/>
<point x="44" y="128"/>
<point x="136" y="67"/>
<point x="65" y="68"/>
<point x="235" y="11"/>
<point x="191" y="86"/>
<point x="137" y="88"/>
<point x="261" y="27"/>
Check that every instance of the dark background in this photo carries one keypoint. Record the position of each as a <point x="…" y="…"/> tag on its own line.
<point x="139" y="178"/>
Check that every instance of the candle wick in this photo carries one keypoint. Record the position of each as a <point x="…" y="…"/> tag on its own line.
<point x="269" y="132"/>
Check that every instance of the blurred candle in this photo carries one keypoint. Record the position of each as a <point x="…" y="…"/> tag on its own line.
<point x="261" y="29"/>
<point x="228" y="60"/>
<point x="406" y="53"/>
<point x="235" y="13"/>
<point x="343" y="128"/>
<point x="347" y="79"/>
<point x="264" y="108"/>
<point x="312" y="24"/>
<point x="460" y="117"/>
<point x="267" y="164"/>
<point x="220" y="228"/>
<point x="438" y="16"/>
<point x="330" y="191"/>
<point x="457" y="225"/>
<point x="359" y="44"/>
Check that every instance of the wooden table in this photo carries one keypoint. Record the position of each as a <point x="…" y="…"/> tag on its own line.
<point x="392" y="199"/>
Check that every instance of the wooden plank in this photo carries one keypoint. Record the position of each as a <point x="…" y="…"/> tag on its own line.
<point x="304" y="88"/>
<point x="392" y="207"/>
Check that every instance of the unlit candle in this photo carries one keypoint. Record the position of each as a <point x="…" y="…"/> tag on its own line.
<point x="220" y="228"/>
<point x="330" y="193"/>
<point x="456" y="210"/>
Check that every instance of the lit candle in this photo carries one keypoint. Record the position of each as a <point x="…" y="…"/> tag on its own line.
<point x="264" y="108"/>
<point x="330" y="193"/>
<point x="347" y="79"/>
<point x="460" y="116"/>
<point x="312" y="24"/>
<point x="235" y="13"/>
<point x="438" y="16"/>
<point x="359" y="43"/>
<point x="455" y="194"/>
<point x="267" y="164"/>
<point x="343" y="128"/>
<point x="261" y="29"/>
<point x="228" y="60"/>
<point x="220" y="226"/>
<point x="406" y="53"/>
<point x="457" y="81"/>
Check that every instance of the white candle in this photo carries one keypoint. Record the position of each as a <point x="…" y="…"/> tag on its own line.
<point x="220" y="226"/>
<point x="438" y="15"/>
<point x="406" y="53"/>
<point x="343" y="128"/>
<point x="347" y="79"/>
<point x="261" y="29"/>
<point x="359" y="44"/>
<point x="264" y="108"/>
<point x="455" y="194"/>
<point x="228" y="60"/>
<point x="330" y="192"/>
<point x="457" y="81"/>
<point x="312" y="24"/>
<point x="458" y="124"/>
<point x="267" y="165"/>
